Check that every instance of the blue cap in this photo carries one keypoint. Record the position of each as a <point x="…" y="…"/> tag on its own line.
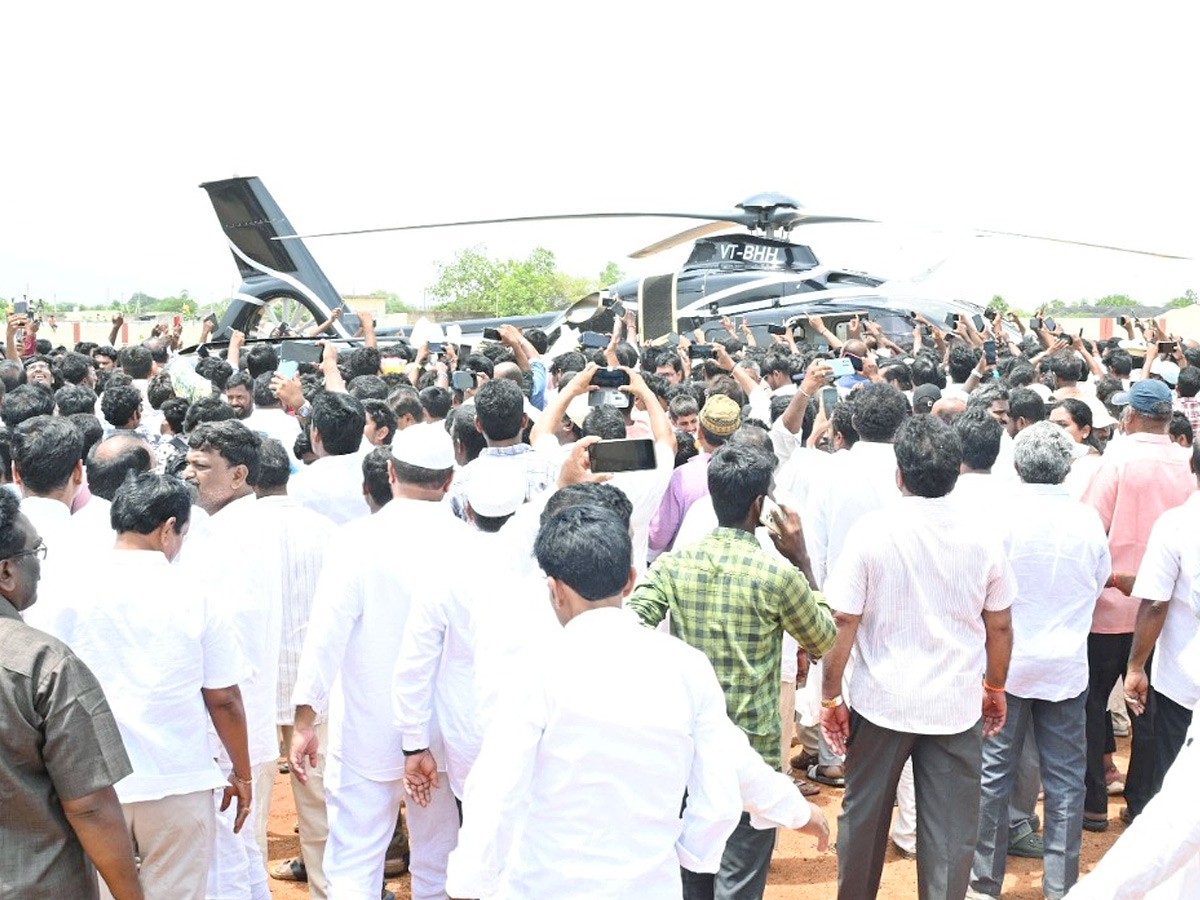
<point x="1145" y="395"/>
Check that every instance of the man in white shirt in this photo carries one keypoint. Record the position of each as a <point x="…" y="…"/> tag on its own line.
<point x="854" y="483"/>
<point x="923" y="571"/>
<point x="48" y="470"/>
<point x="222" y="461"/>
<point x="1059" y="554"/>
<point x="1158" y="856"/>
<point x="358" y="622"/>
<point x="619" y="831"/>
<point x="1168" y="620"/>
<point x="302" y="536"/>
<point x="169" y="671"/>
<point x="332" y="484"/>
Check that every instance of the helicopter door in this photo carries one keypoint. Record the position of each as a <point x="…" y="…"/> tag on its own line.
<point x="657" y="297"/>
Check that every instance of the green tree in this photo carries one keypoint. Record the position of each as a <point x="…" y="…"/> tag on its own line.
<point x="476" y="284"/>
<point x="1189" y="298"/>
<point x="1114" y="301"/>
<point x="611" y="274"/>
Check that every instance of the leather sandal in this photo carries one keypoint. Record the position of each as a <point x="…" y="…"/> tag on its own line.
<point x="290" y="870"/>
<point x="816" y="774"/>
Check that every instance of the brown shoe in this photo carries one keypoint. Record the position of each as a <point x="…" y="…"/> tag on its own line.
<point x="802" y="760"/>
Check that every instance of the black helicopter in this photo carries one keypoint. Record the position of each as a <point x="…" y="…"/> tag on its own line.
<point x="758" y="275"/>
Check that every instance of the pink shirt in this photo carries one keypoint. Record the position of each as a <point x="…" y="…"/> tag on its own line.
<point x="1142" y="476"/>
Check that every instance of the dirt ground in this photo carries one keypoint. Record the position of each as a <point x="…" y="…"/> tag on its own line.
<point x="798" y="871"/>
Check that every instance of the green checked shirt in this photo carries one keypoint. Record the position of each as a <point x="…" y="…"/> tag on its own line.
<point x="732" y="600"/>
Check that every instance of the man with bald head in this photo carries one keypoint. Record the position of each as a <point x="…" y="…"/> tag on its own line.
<point x="108" y="465"/>
<point x="948" y="408"/>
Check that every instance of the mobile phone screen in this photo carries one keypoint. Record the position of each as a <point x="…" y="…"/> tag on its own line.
<point x="829" y="399"/>
<point x="628" y="455"/>
<point x="989" y="352"/>
<point x="21" y="307"/>
<point x="491" y="334"/>
<point x="288" y="368"/>
<point x="299" y="352"/>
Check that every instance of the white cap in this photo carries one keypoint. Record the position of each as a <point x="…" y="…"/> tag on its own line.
<point x="425" y="445"/>
<point x="1166" y="370"/>
<point x="495" y="489"/>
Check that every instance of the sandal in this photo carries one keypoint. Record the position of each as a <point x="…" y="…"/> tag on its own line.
<point x="816" y="774"/>
<point x="1029" y="846"/>
<point x="1095" y="822"/>
<point x="290" y="870"/>
<point x="807" y="788"/>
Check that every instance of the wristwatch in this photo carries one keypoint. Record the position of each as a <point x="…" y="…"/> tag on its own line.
<point x="832" y="703"/>
<point x="415" y="752"/>
<point x="305" y="411"/>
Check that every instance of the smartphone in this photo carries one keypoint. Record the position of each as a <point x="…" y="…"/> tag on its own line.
<point x="829" y="399"/>
<point x="952" y="321"/>
<point x="701" y="351"/>
<point x="777" y="329"/>
<point x="437" y="346"/>
<point x="462" y="380"/>
<point x="1166" y="346"/>
<point x="767" y="517"/>
<point x="1051" y="325"/>
<point x="211" y="318"/>
<point x="618" y="310"/>
<point x="21" y="307"/>
<point x="1035" y="323"/>
<point x="610" y="378"/>
<point x="991" y="314"/>
<point x="841" y="366"/>
<point x="926" y="331"/>
<point x="977" y="321"/>
<point x="491" y="334"/>
<point x="176" y="321"/>
<point x="296" y="351"/>
<point x="609" y="397"/>
<point x="593" y="340"/>
<point x="1122" y="321"/>
<point x="989" y="352"/>
<point x="288" y="368"/>
<point x="625" y="455"/>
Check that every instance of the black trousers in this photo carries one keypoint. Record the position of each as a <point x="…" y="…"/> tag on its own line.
<point x="1108" y="656"/>
<point x="1171" y="723"/>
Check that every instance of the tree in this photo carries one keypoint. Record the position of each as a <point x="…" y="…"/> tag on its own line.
<point x="475" y="284"/>
<point x="1189" y="298"/>
<point x="611" y="274"/>
<point x="1115" y="301"/>
<point x="999" y="304"/>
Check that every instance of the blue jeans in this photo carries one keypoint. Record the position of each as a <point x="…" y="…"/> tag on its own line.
<point x="1059" y="730"/>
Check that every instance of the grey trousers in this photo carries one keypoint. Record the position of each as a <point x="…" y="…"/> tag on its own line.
<point x="946" y="772"/>
<point x="744" y="865"/>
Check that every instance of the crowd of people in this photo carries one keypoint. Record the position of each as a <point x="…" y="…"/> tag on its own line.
<point x="941" y="582"/>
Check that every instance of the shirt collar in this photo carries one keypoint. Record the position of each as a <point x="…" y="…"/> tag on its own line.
<point x="1048" y="490"/>
<point x="511" y="450"/>
<point x="45" y="506"/>
<point x="733" y="534"/>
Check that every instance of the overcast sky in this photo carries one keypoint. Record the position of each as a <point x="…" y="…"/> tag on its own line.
<point x="1052" y="119"/>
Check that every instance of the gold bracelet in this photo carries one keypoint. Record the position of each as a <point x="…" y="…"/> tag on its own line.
<point x="249" y="782"/>
<point x="832" y="703"/>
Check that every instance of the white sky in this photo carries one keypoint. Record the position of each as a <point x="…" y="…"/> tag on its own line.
<point x="1065" y="120"/>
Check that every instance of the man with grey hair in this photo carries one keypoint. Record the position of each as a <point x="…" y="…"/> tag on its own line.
<point x="1060" y="555"/>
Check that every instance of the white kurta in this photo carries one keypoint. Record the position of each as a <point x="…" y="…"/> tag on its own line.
<point x="366" y="590"/>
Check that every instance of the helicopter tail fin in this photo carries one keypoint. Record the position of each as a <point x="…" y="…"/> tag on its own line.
<point x="251" y="219"/>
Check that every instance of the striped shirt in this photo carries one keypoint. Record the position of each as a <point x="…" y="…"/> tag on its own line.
<point x="921" y="581"/>
<point x="733" y="601"/>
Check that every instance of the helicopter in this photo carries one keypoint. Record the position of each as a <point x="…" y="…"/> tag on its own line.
<point x="758" y="275"/>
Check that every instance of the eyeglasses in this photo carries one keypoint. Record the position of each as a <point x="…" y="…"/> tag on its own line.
<point x="39" y="551"/>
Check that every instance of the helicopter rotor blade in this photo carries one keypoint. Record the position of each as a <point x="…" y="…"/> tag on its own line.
<point x="1058" y="240"/>
<point x="735" y="216"/>
<point x="681" y="238"/>
<point x="793" y="219"/>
